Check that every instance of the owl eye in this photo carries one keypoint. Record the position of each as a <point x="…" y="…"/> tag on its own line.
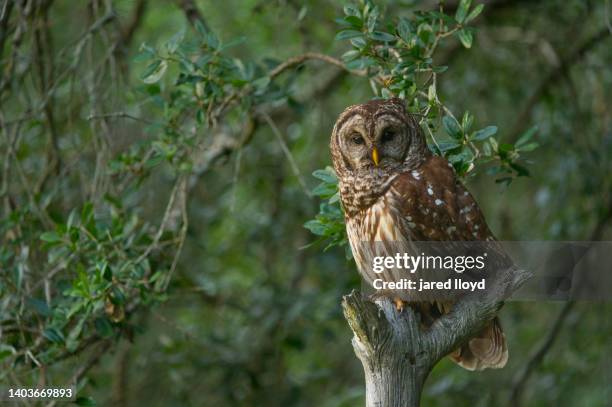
<point x="388" y="135"/>
<point x="357" y="139"/>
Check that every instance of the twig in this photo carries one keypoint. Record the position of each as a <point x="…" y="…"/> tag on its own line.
<point x="121" y="377"/>
<point x="523" y="117"/>
<point x="135" y="22"/>
<point x="165" y="220"/>
<point x="121" y="115"/>
<point x="287" y="152"/>
<point x="297" y="60"/>
<point x="182" y="233"/>
<point x="192" y="13"/>
<point x="607" y="16"/>
<point x="537" y="355"/>
<point x="83" y="369"/>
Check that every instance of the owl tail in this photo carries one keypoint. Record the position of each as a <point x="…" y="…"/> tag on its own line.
<point x="488" y="349"/>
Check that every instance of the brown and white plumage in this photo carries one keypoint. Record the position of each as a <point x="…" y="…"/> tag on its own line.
<point x="394" y="191"/>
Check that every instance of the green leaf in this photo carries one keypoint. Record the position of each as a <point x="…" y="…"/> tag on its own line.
<point x="486" y="149"/>
<point x="465" y="37"/>
<point x="355" y="64"/>
<point x="386" y="93"/>
<point x="118" y="297"/>
<point x="200" y="29"/>
<point x="354" y="21"/>
<point x="504" y="149"/>
<point x="74" y="334"/>
<point x="431" y="93"/>
<point x="54" y="335"/>
<point x="452" y="127"/>
<point x="104" y="270"/>
<point x="358" y="42"/>
<point x="156" y="159"/>
<point x="327" y="175"/>
<point x="348" y="34"/>
<point x="39" y="306"/>
<point x="342" y="22"/>
<point x="324" y="190"/>
<point x="528" y="147"/>
<point x="493" y="143"/>
<point x="520" y="170"/>
<point x="6" y="350"/>
<point x="361" y="63"/>
<point x="350" y="55"/>
<point x="87" y="218"/>
<point x="448" y="146"/>
<point x="474" y="13"/>
<point x="175" y="41"/>
<point x="262" y="83"/>
<point x="76" y="307"/>
<point x="51" y="237"/>
<point x="302" y="13"/>
<point x="466" y="121"/>
<point x="382" y="36"/>
<point x="526" y="136"/>
<point x="316" y="227"/>
<point x="71" y="218"/>
<point x="440" y="68"/>
<point x="462" y="10"/>
<point x="351" y="11"/>
<point x="212" y="40"/>
<point x="155" y="71"/>
<point x="103" y="327"/>
<point x="372" y="18"/>
<point x="484" y="134"/>
<point x="335" y="198"/>
<point x="404" y="29"/>
<point x="145" y="53"/>
<point x="85" y="401"/>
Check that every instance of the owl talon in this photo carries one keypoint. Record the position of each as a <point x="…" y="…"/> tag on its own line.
<point x="399" y="305"/>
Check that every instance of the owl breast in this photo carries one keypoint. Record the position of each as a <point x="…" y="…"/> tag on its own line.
<point x="381" y="230"/>
<point x="375" y="231"/>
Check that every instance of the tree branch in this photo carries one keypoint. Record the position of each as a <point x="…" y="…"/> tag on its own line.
<point x="566" y="63"/>
<point x="397" y="354"/>
<point x="191" y="12"/>
<point x="135" y="21"/>
<point x="297" y="60"/>
<point x="537" y="355"/>
<point x="84" y="368"/>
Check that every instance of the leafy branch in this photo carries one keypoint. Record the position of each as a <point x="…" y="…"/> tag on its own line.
<point x="397" y="58"/>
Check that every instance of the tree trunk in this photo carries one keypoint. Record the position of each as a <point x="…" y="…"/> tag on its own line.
<point x="397" y="354"/>
<point x="394" y="384"/>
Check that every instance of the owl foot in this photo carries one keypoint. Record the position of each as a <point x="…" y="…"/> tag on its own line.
<point x="399" y="304"/>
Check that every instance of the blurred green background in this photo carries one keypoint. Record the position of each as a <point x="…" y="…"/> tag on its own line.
<point x="252" y="314"/>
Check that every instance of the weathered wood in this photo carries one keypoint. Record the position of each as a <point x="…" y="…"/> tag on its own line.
<point x="397" y="354"/>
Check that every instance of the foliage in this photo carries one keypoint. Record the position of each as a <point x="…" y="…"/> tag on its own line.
<point x="398" y="60"/>
<point x="152" y="196"/>
<point x="329" y="223"/>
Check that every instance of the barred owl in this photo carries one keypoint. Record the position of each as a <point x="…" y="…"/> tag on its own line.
<point x="393" y="188"/>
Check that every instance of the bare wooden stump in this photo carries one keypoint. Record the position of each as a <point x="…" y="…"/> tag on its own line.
<point x="397" y="354"/>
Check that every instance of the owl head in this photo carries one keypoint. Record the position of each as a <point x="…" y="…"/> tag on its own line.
<point x="376" y="138"/>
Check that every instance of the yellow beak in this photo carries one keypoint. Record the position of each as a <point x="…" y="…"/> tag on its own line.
<point x="375" y="156"/>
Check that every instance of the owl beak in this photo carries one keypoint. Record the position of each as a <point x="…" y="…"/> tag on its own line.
<point x="375" y="156"/>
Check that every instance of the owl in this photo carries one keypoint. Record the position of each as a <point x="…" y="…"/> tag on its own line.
<point x="394" y="189"/>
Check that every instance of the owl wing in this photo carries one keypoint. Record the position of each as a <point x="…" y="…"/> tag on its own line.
<point x="434" y="204"/>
